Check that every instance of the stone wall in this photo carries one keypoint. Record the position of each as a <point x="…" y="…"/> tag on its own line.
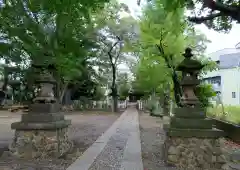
<point x="195" y="153"/>
<point x="40" y="143"/>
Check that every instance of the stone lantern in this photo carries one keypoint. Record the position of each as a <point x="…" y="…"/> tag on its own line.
<point x="190" y="69"/>
<point x="191" y="142"/>
<point x="42" y="132"/>
<point x="46" y="83"/>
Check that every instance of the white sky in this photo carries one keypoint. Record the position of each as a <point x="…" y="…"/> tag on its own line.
<point x="218" y="40"/>
<point x="221" y="40"/>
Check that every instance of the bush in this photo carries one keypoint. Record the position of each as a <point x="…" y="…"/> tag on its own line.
<point x="151" y="106"/>
<point x="231" y="113"/>
<point x="204" y="92"/>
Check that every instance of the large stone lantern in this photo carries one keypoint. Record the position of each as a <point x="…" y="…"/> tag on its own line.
<point x="42" y="132"/>
<point x="190" y="69"/>
<point x="191" y="142"/>
<point x="46" y="83"/>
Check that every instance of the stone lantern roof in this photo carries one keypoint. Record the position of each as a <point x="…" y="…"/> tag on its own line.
<point x="189" y="65"/>
<point x="45" y="75"/>
<point x="45" y="78"/>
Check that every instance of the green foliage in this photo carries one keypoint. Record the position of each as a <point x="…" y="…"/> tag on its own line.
<point x="114" y="34"/>
<point x="151" y="106"/>
<point x="99" y="93"/>
<point x="123" y="92"/>
<point x="169" y="30"/>
<point x="123" y="85"/>
<point x="46" y="32"/>
<point x="218" y="15"/>
<point x="157" y="26"/>
<point x="204" y="92"/>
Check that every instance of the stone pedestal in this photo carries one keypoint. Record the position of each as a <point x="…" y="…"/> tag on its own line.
<point x="41" y="133"/>
<point x="195" y="153"/>
<point x="192" y="143"/>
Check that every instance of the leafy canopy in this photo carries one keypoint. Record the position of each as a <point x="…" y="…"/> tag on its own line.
<point x="172" y="33"/>
<point x="218" y="15"/>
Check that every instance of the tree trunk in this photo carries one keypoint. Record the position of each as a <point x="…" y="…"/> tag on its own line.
<point x="115" y="103"/>
<point x="176" y="88"/>
<point x="176" y="84"/>
<point x="114" y="89"/>
<point x="166" y="103"/>
<point x="67" y="97"/>
<point x="62" y="93"/>
<point x="4" y="86"/>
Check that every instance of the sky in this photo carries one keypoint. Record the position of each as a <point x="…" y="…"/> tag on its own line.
<point x="218" y="40"/>
<point x="221" y="40"/>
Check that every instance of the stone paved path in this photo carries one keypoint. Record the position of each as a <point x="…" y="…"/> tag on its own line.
<point x="119" y="148"/>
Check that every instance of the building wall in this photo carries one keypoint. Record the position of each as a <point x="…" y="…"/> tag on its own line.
<point x="230" y="86"/>
<point x="228" y="72"/>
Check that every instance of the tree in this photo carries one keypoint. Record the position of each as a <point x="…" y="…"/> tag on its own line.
<point x="218" y="15"/>
<point x="163" y="43"/>
<point x="57" y="33"/>
<point x="123" y="85"/>
<point x="164" y="36"/>
<point x="115" y="33"/>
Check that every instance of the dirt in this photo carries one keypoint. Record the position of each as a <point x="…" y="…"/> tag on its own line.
<point x="84" y="131"/>
<point x="152" y="139"/>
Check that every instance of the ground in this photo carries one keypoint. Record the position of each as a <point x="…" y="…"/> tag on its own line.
<point x="119" y="146"/>
<point x="152" y="139"/>
<point x="85" y="129"/>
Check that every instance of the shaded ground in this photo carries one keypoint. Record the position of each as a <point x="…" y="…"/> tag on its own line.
<point x="85" y="129"/>
<point x="152" y="139"/>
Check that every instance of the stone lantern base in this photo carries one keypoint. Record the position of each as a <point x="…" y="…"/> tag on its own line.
<point x="194" y="153"/>
<point x="41" y="135"/>
<point x="191" y="142"/>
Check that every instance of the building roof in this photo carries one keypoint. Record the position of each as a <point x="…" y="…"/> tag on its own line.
<point x="229" y="60"/>
<point x="215" y="56"/>
<point x="227" y="57"/>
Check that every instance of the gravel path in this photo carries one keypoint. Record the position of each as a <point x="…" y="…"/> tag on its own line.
<point x="112" y="155"/>
<point x="85" y="129"/>
<point x="117" y="149"/>
<point x="152" y="139"/>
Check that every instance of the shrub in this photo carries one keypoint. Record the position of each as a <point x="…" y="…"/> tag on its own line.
<point x="151" y="106"/>
<point x="204" y="92"/>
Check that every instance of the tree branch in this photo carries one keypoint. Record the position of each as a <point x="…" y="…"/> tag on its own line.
<point x="224" y="10"/>
<point x="217" y="5"/>
<point x="200" y="20"/>
<point x="119" y="52"/>
<point x="110" y="51"/>
<point x="161" y="50"/>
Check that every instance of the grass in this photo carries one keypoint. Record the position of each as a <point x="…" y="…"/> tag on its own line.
<point x="231" y="113"/>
